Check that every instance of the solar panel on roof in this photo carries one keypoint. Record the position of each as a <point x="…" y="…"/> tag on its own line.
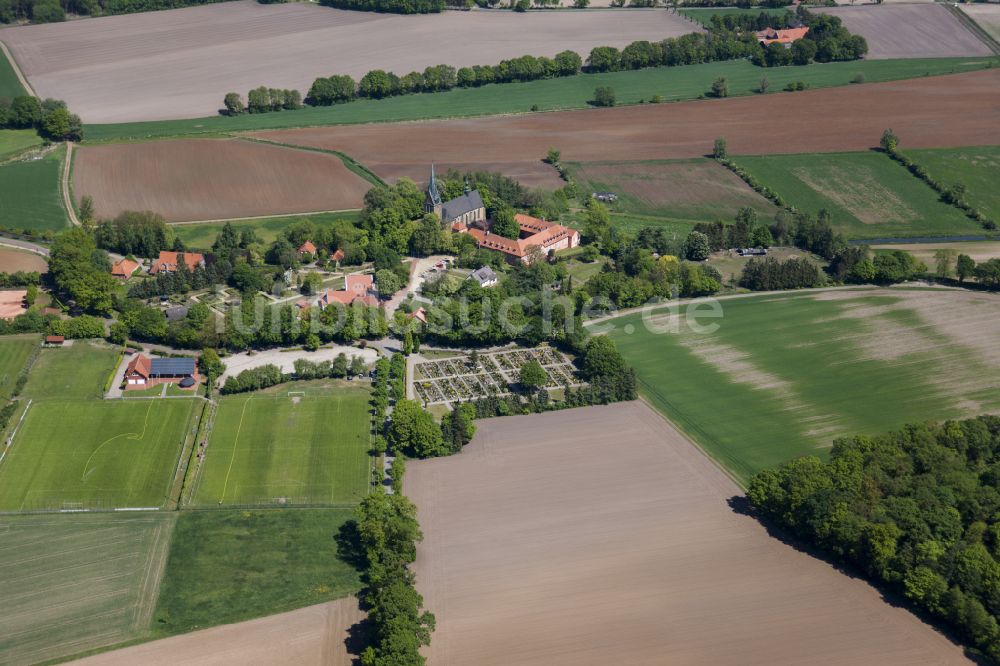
<point x="173" y="366"/>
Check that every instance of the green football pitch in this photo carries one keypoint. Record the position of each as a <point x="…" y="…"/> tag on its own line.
<point x="14" y="353"/>
<point x="288" y="449"/>
<point x="94" y="454"/>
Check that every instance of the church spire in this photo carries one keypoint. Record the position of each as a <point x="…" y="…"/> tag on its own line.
<point x="432" y="189"/>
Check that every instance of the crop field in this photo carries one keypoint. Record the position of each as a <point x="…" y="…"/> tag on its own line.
<point x="213" y="179"/>
<point x="232" y="565"/>
<point x="12" y="261"/>
<point x="986" y="15"/>
<point x="298" y="449"/>
<point x="94" y="454"/>
<point x="10" y="87"/>
<point x="201" y="236"/>
<point x="574" y="92"/>
<point x="139" y="66"/>
<point x="14" y="141"/>
<point x="784" y="375"/>
<point x="695" y="189"/>
<point x="601" y="535"/>
<point x="921" y="111"/>
<point x="978" y="168"/>
<point x="68" y="373"/>
<point x="868" y="194"/>
<point x="14" y="353"/>
<point x="72" y="583"/>
<point x="30" y="197"/>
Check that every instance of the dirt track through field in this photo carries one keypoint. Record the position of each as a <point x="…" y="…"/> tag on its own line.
<point x="180" y="63"/>
<point x="213" y="179"/>
<point x="312" y="635"/>
<point x="602" y="536"/>
<point x="910" y="31"/>
<point x="922" y="112"/>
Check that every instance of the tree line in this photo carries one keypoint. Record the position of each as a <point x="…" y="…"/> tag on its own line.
<point x="915" y="510"/>
<point x="54" y="11"/>
<point x="49" y="117"/>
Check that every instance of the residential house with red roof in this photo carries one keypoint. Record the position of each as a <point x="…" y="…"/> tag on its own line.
<point x="167" y="261"/>
<point x="784" y="36"/>
<point x="307" y="248"/>
<point x="123" y="269"/>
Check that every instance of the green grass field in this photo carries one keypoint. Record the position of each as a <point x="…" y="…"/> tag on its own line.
<point x="703" y="15"/>
<point x="201" y="236"/>
<point x="10" y="87"/>
<point x="30" y="196"/>
<point x="310" y="450"/>
<point x="976" y="168"/>
<point x="697" y="189"/>
<point x="672" y="83"/>
<point x="73" y="583"/>
<point x="94" y="454"/>
<point x="14" y="353"/>
<point x="228" y="566"/>
<point x="868" y="194"/>
<point x="785" y="374"/>
<point x="75" y="372"/>
<point x="14" y="141"/>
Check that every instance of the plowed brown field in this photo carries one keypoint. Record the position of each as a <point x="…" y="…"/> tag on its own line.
<point x="602" y="536"/>
<point x="923" y="113"/>
<point x="213" y="179"/>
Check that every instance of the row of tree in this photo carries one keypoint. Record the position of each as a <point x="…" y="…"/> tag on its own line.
<point x="917" y="511"/>
<point x="49" y="117"/>
<point x="263" y="100"/>
<point x="52" y="11"/>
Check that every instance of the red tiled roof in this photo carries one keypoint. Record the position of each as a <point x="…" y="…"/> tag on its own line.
<point x="140" y="365"/>
<point x="124" y="268"/>
<point x="544" y="234"/>
<point x="337" y="256"/>
<point x="784" y="36"/>
<point x="307" y="247"/>
<point x="359" y="284"/>
<point x="167" y="261"/>
<point x="55" y="338"/>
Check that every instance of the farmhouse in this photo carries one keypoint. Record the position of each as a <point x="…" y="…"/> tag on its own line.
<point x="358" y="288"/>
<point x="123" y="269"/>
<point x="337" y="256"/>
<point x="784" y="36"/>
<point x="307" y="248"/>
<point x="168" y="261"/>
<point x="143" y="372"/>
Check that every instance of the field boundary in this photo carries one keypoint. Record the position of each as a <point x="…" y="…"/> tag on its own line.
<point x="67" y="200"/>
<point x="17" y="70"/>
<point x="973" y="27"/>
<point x="352" y="165"/>
<point x="262" y="217"/>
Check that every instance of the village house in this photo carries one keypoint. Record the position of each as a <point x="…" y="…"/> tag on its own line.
<point x="123" y="269"/>
<point x="307" y="248"/>
<point x="337" y="257"/>
<point x="143" y="372"/>
<point x="167" y="261"/>
<point x="785" y="36"/>
<point x="484" y="276"/>
<point x="357" y="288"/>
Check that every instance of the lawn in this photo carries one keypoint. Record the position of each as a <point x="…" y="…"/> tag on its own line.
<point x="14" y="353"/>
<point x="201" y="236"/>
<point x="73" y="583"/>
<point x="78" y="371"/>
<point x="267" y="449"/>
<point x="10" y="87"/>
<point x="785" y="374"/>
<point x="14" y="141"/>
<point x="694" y="189"/>
<point x="228" y="566"/>
<point x="30" y="196"/>
<point x="94" y="454"/>
<point x="868" y="194"/>
<point x="672" y="83"/>
<point x="976" y="168"/>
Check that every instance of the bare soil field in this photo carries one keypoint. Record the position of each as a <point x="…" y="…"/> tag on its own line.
<point x="910" y="31"/>
<point x="180" y="63"/>
<point x="207" y="179"/>
<point x="312" y="635"/>
<point x="12" y="261"/>
<point x="986" y="15"/>
<point x="698" y="189"/>
<point x="920" y="111"/>
<point x="601" y="535"/>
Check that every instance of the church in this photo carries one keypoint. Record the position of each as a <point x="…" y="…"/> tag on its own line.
<point x="467" y="215"/>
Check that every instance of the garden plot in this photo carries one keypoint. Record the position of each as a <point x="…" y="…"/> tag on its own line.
<point x="460" y="379"/>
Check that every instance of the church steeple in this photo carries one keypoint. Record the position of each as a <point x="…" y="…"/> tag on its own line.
<point x="433" y="196"/>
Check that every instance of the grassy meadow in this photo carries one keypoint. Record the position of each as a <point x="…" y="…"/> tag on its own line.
<point x="868" y="194"/>
<point x="785" y="374"/>
<point x="78" y="371"/>
<point x="14" y="141"/>
<point x="14" y="353"/>
<point x="94" y="454"/>
<point x="230" y="565"/>
<point x="10" y="86"/>
<point x="311" y="449"/>
<point x="73" y="583"/>
<point x="672" y="83"/>
<point x="30" y="195"/>
<point x="201" y="236"/>
<point x="977" y="168"/>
